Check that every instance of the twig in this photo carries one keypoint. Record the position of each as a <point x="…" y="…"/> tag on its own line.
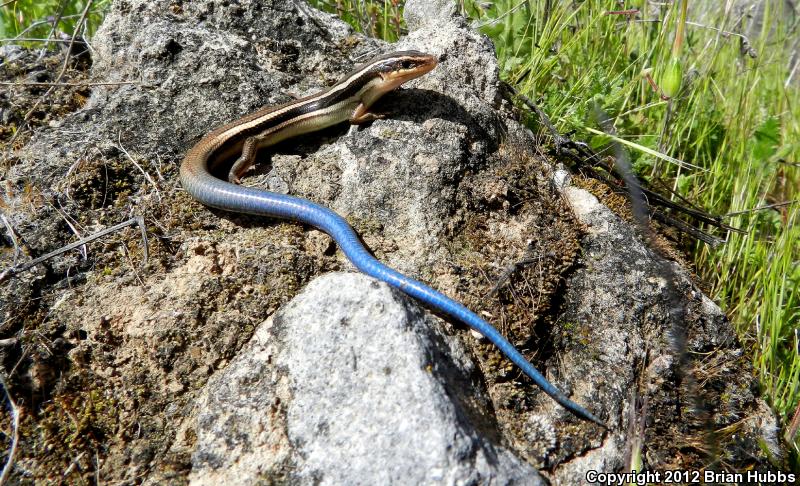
<point x="73" y="464"/>
<point x="33" y="25"/>
<point x="78" y="27"/>
<point x="138" y="220"/>
<point x="630" y="12"/>
<point x="12" y="234"/>
<point x="88" y="83"/>
<point x="68" y="220"/>
<point x="634" y="188"/>
<point x="657" y="199"/>
<point x="507" y="273"/>
<point x="638" y="204"/>
<point x="55" y="21"/>
<point x="34" y="39"/>
<point x="37" y="23"/>
<point x="35" y="106"/>
<point x="582" y="154"/>
<point x="689" y="204"/>
<point x="15" y="439"/>
<point x="9" y="2"/>
<point x="690" y="230"/>
<point x="761" y="208"/>
<point x="146" y="175"/>
<point x="557" y="138"/>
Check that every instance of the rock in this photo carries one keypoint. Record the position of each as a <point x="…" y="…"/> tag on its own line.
<point x="203" y="378"/>
<point x="420" y="14"/>
<point x="348" y="384"/>
<point x="640" y="309"/>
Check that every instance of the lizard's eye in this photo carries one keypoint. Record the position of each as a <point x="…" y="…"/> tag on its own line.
<point x="406" y="65"/>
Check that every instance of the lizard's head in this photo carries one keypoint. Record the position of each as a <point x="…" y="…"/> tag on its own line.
<point x="384" y="73"/>
<point x="398" y="67"/>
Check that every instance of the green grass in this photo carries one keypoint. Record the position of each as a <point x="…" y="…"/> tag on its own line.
<point x="732" y="114"/>
<point x="376" y="18"/>
<point x="33" y="19"/>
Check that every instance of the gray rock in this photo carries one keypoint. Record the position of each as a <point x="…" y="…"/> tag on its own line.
<point x="348" y="384"/>
<point x="419" y="14"/>
<point x="641" y="309"/>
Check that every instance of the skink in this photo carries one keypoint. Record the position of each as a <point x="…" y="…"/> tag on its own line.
<point x="347" y="100"/>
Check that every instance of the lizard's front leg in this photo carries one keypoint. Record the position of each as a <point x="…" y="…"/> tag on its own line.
<point x="247" y="158"/>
